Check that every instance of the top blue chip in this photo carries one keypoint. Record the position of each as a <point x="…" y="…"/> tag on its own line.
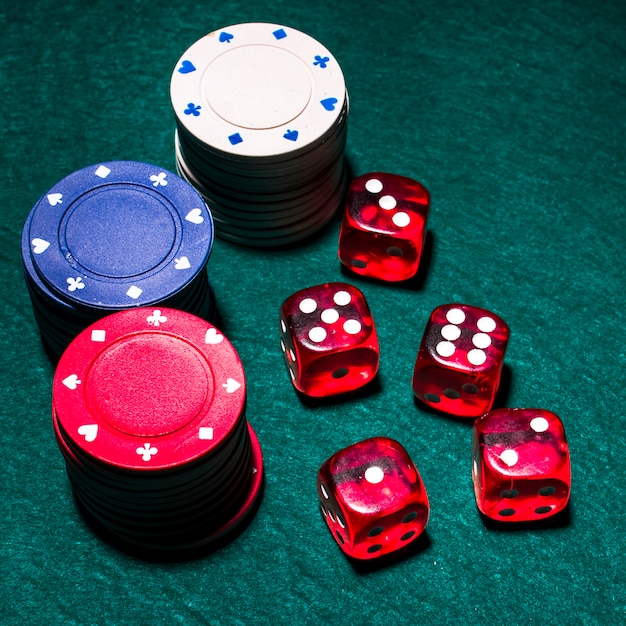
<point x="119" y="235"/>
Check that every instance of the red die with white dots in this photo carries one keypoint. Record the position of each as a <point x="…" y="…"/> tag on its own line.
<point x="384" y="226"/>
<point x="372" y="498"/>
<point x="459" y="362"/>
<point x="329" y="339"/>
<point x="521" y="464"/>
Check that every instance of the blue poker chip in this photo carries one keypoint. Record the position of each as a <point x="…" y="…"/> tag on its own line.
<point x="117" y="235"/>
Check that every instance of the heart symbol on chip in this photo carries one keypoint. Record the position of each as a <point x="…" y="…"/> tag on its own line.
<point x="212" y="336"/>
<point x="329" y="103"/>
<point x="88" y="431"/>
<point x="182" y="263"/>
<point x="71" y="382"/>
<point x="231" y="385"/>
<point x="186" y="67"/>
<point x="225" y="37"/>
<point x="194" y="216"/>
<point x="55" y="198"/>
<point x="39" y="245"/>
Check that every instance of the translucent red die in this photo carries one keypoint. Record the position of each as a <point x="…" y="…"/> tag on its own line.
<point x="384" y="226"/>
<point x="521" y="464"/>
<point x="459" y="362"/>
<point x="329" y="339"/>
<point x="372" y="498"/>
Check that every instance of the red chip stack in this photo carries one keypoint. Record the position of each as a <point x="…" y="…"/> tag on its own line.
<point x="149" y="413"/>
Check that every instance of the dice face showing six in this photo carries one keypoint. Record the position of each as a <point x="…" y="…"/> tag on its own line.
<point x="372" y="498"/>
<point x="459" y="362"/>
<point x="328" y="339"/>
<point x="521" y="464"/>
<point x="384" y="226"/>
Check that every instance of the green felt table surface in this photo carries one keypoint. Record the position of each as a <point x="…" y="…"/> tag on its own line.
<point x="513" y="115"/>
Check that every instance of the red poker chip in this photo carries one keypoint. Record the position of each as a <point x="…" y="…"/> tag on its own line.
<point x="148" y="389"/>
<point x="148" y="412"/>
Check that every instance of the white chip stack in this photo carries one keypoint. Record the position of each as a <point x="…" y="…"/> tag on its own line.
<point x="261" y="113"/>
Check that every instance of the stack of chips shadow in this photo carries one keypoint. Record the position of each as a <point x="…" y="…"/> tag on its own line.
<point x="115" y="236"/>
<point x="261" y="113"/>
<point x="149" y="414"/>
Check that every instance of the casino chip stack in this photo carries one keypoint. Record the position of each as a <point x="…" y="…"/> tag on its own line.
<point x="261" y="113"/>
<point x="115" y="236"/>
<point x="148" y="410"/>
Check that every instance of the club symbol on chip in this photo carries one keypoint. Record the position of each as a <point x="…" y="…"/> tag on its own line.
<point x="159" y="179"/>
<point x="156" y="319"/>
<point x="75" y="283"/>
<point x="321" y="61"/>
<point x="146" y="452"/>
<point x="192" y="109"/>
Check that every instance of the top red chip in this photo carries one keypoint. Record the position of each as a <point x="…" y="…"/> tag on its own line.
<point x="149" y="389"/>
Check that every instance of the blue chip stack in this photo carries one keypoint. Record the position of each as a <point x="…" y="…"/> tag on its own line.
<point x="114" y="236"/>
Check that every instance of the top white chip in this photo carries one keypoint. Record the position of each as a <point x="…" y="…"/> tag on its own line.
<point x="257" y="90"/>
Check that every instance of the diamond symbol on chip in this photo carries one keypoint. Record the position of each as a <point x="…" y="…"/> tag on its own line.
<point x="205" y="432"/>
<point x="134" y="292"/>
<point x="103" y="171"/>
<point x="235" y="138"/>
<point x="98" y="335"/>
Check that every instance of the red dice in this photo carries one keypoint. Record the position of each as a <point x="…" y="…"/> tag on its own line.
<point x="459" y="362"/>
<point x="521" y="464"/>
<point x="384" y="226"/>
<point x="372" y="498"/>
<point x="328" y="339"/>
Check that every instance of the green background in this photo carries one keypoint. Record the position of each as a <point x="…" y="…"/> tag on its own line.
<point x="513" y="115"/>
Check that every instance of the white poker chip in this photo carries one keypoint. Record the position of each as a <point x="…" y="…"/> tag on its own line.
<point x="257" y="90"/>
<point x="261" y="115"/>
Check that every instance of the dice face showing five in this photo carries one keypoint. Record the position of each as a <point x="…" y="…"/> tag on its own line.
<point x="459" y="362"/>
<point x="521" y="465"/>
<point x="384" y="226"/>
<point x="372" y="498"/>
<point x="328" y="339"/>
